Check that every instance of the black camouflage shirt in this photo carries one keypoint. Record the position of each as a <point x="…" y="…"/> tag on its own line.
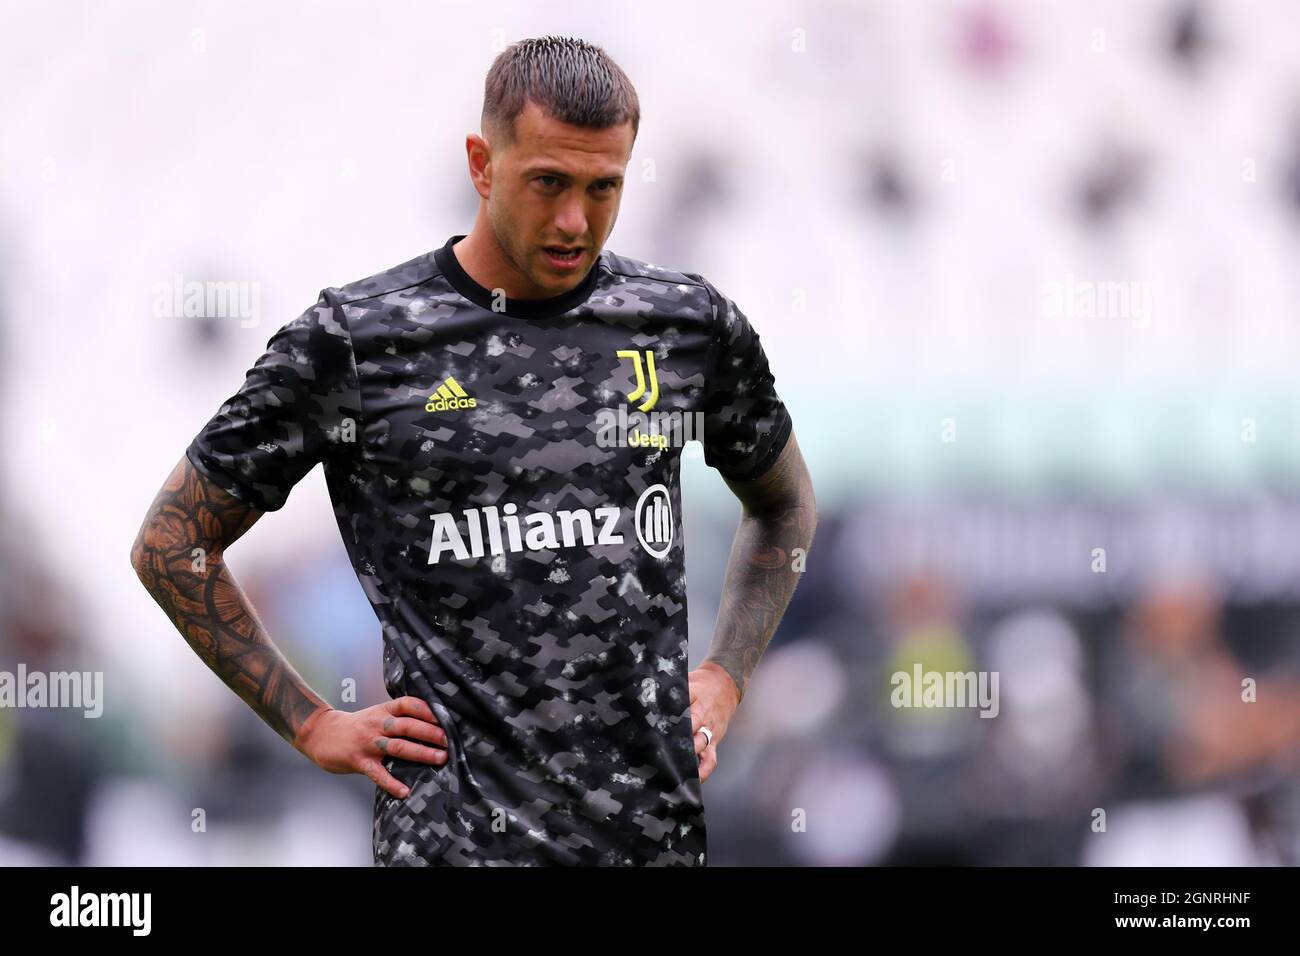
<point x="504" y="474"/>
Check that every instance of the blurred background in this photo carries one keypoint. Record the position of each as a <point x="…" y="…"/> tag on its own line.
<point x="1026" y="274"/>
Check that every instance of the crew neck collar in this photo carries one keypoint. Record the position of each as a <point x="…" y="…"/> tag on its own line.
<point x="520" y="308"/>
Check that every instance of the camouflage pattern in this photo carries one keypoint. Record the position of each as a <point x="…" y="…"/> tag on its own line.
<point x="558" y="670"/>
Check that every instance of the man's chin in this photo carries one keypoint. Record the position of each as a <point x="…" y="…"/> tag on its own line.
<point x="552" y="285"/>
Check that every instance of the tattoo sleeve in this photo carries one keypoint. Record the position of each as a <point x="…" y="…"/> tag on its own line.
<point x="780" y="517"/>
<point x="179" y="556"/>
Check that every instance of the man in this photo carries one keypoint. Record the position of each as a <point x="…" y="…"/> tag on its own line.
<point x="491" y="419"/>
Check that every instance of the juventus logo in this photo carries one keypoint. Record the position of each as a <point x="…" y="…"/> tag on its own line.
<point x="640" y="389"/>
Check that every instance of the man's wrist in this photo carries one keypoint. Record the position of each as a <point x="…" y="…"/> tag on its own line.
<point x="735" y="681"/>
<point x="309" y="725"/>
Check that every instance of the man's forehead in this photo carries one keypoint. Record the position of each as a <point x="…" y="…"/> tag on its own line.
<point x="540" y="137"/>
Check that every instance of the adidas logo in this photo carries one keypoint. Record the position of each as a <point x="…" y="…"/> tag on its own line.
<point x="450" y="397"/>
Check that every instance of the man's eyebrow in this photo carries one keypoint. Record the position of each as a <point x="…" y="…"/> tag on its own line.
<point x="546" y="171"/>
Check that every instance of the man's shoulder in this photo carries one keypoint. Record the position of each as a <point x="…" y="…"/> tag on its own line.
<point x="681" y="293"/>
<point x="627" y="267"/>
<point x="404" y="275"/>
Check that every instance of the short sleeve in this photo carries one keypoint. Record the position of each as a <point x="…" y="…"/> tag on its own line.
<point x="299" y="405"/>
<point x="746" y="425"/>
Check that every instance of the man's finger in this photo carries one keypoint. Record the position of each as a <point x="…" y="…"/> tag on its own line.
<point x="415" y="728"/>
<point x="703" y="740"/>
<point x="708" y="762"/>
<point x="405" y="749"/>
<point x="411" y="707"/>
<point x="376" y="771"/>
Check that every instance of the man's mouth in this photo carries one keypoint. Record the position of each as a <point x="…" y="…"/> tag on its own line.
<point x="563" y="255"/>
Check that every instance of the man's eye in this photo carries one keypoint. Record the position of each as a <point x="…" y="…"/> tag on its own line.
<point x="605" y="186"/>
<point x="548" y="181"/>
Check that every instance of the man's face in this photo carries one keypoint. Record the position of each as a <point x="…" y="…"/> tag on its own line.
<point x="556" y="188"/>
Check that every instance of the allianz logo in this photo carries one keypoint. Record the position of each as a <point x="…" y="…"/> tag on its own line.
<point x="477" y="532"/>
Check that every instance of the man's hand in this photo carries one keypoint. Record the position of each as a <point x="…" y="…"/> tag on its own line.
<point x="344" y="742"/>
<point x="714" y="698"/>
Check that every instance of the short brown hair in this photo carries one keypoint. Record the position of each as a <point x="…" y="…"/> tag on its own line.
<point x="574" y="81"/>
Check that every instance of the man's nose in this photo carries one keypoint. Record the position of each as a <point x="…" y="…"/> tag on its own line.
<point x="572" y="219"/>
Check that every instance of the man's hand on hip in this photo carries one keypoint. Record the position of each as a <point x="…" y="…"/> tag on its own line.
<point x="341" y="741"/>
<point x="714" y="698"/>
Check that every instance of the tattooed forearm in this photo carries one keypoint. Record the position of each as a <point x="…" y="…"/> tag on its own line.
<point x="179" y="556"/>
<point x="780" y="516"/>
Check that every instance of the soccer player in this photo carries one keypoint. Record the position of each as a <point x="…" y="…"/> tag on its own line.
<point x="500" y="422"/>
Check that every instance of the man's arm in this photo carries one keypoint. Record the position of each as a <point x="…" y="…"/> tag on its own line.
<point x="179" y="556"/>
<point x="779" y="519"/>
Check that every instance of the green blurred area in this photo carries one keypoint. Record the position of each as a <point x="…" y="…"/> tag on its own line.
<point x="1105" y="443"/>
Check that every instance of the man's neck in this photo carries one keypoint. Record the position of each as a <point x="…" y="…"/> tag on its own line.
<point x="484" y="261"/>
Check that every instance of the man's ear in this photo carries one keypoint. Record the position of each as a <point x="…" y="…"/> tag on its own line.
<point x="478" y="153"/>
